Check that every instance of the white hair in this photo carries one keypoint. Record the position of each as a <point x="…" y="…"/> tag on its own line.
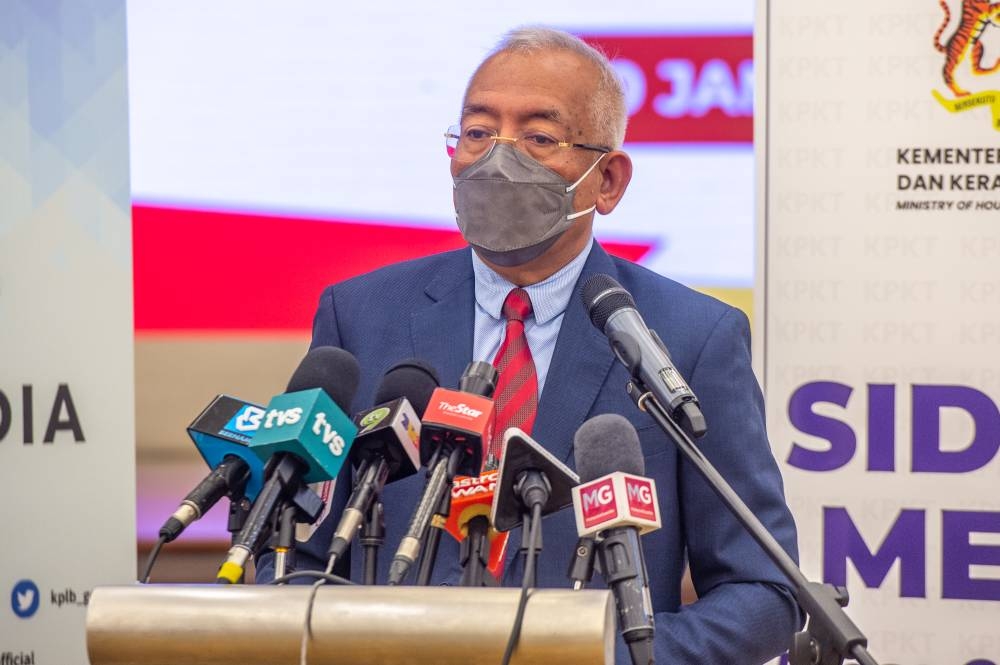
<point x="607" y="106"/>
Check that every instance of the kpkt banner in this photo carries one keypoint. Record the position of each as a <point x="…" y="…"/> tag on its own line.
<point x="67" y="432"/>
<point x="879" y="293"/>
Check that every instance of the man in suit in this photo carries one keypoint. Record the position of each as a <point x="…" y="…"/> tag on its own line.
<point x="537" y="153"/>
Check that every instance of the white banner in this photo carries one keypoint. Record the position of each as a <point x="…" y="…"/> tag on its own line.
<point x="67" y="431"/>
<point x="879" y="281"/>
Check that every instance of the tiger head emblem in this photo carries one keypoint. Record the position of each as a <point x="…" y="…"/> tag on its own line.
<point x="965" y="48"/>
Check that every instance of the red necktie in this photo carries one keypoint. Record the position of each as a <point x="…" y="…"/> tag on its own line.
<point x="516" y="395"/>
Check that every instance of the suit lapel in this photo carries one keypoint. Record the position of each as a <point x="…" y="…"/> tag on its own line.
<point x="580" y="365"/>
<point x="442" y="329"/>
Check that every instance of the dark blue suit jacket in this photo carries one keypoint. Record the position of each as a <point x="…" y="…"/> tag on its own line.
<point x="425" y="308"/>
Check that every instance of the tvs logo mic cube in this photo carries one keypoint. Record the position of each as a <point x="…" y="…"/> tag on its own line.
<point x="615" y="500"/>
<point x="309" y="425"/>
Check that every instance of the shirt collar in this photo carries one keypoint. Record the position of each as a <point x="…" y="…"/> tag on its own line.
<point x="549" y="298"/>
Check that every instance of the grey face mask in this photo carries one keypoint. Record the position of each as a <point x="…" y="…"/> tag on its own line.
<point x="512" y="208"/>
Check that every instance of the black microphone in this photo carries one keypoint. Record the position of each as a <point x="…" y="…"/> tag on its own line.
<point x="305" y="436"/>
<point x="228" y="478"/>
<point x="614" y="503"/>
<point x="612" y="310"/>
<point x="529" y="475"/>
<point x="222" y="435"/>
<point x="455" y="427"/>
<point x="387" y="446"/>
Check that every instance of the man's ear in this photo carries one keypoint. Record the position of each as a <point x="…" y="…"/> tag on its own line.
<point x="616" y="174"/>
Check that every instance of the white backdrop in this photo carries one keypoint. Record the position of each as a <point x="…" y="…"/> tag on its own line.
<point x="337" y="110"/>
<point x="67" y="432"/>
<point x="880" y="295"/>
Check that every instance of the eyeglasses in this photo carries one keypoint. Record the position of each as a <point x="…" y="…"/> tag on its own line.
<point x="471" y="143"/>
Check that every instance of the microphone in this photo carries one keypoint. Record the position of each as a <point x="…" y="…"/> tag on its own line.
<point x="529" y="474"/>
<point x="387" y="446"/>
<point x="470" y="524"/>
<point x="495" y="502"/>
<point x="614" y="502"/>
<point x="461" y="419"/>
<point x="612" y="310"/>
<point x="222" y="435"/>
<point x="454" y="428"/>
<point x="305" y="437"/>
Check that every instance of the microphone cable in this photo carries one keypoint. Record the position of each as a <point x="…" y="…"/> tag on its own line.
<point x="526" y="583"/>
<point x="324" y="577"/>
<point x="155" y="552"/>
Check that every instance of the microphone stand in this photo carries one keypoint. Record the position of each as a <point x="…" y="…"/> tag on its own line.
<point x="284" y="487"/>
<point x="284" y="545"/>
<point x="239" y="508"/>
<point x="581" y="566"/>
<point x="372" y="537"/>
<point x="830" y="635"/>
<point x="475" y="552"/>
<point x="444" y="466"/>
<point x="428" y="557"/>
<point x="533" y="490"/>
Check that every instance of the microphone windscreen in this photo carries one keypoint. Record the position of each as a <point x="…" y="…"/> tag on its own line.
<point x="601" y="307"/>
<point x="413" y="379"/>
<point x="479" y="378"/>
<point x="334" y="370"/>
<point x="605" y="444"/>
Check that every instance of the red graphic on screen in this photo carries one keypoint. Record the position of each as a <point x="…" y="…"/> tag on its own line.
<point x="684" y="89"/>
<point x="202" y="270"/>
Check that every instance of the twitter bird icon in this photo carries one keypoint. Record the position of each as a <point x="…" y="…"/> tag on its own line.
<point x="24" y="598"/>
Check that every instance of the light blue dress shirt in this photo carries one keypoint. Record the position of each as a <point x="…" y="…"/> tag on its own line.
<point x="549" y="300"/>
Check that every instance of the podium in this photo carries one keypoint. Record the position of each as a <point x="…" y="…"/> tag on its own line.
<point x="350" y="625"/>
